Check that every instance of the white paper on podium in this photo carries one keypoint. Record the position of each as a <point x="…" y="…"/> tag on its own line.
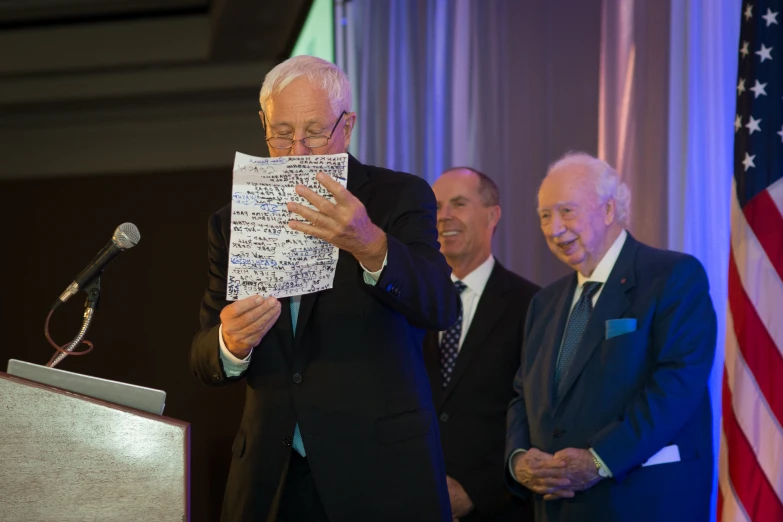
<point x="266" y="257"/>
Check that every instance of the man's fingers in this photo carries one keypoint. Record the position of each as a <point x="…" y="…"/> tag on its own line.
<point x="549" y="488"/>
<point x="552" y="483"/>
<point x="235" y="323"/>
<point x="310" y="230"/>
<point x="340" y="193"/>
<point x="558" y="494"/>
<point x="241" y="306"/>
<point x="318" y="219"/>
<point x="543" y="473"/>
<point x="550" y="463"/>
<point x="271" y="314"/>
<point x="315" y="199"/>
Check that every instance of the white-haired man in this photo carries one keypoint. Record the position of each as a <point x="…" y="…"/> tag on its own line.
<point x="338" y="422"/>
<point x="612" y="420"/>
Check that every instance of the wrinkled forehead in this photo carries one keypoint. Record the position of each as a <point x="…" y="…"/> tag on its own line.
<point x="298" y="98"/>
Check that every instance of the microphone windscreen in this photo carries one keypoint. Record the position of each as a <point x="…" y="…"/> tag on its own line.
<point x="126" y="236"/>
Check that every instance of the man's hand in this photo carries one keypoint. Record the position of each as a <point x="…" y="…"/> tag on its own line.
<point x="246" y="322"/>
<point x="580" y="470"/>
<point x="461" y="504"/>
<point x="541" y="473"/>
<point x="344" y="223"/>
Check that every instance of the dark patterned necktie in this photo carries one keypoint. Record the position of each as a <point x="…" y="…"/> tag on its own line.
<point x="575" y="328"/>
<point x="449" y="344"/>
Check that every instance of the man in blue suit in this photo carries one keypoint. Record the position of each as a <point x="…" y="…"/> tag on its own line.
<point x="612" y="418"/>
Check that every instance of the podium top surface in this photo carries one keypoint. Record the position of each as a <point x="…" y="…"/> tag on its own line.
<point x="130" y="395"/>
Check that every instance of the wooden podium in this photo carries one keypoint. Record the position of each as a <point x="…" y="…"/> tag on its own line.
<point x="68" y="457"/>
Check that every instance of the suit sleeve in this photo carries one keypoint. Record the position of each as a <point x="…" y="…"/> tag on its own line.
<point x="683" y="338"/>
<point x="415" y="281"/>
<point x="205" y="360"/>
<point x="517" y="427"/>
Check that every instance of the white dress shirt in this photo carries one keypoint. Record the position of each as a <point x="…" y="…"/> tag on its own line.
<point x="474" y="283"/>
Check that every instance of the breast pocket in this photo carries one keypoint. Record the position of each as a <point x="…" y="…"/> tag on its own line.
<point x="625" y="345"/>
<point x="625" y="359"/>
<point x="403" y="426"/>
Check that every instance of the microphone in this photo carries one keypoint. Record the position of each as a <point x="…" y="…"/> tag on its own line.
<point x="125" y="236"/>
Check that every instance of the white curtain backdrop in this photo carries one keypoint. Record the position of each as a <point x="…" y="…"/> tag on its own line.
<point x="702" y="95"/>
<point x="633" y="117"/>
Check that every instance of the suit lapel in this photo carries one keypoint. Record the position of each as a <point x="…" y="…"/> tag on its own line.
<point x="611" y="304"/>
<point x="488" y="312"/>
<point x="357" y="181"/>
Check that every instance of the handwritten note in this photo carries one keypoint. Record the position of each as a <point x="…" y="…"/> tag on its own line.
<point x="266" y="256"/>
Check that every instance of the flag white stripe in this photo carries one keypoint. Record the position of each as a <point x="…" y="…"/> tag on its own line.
<point x="753" y="414"/>
<point x="759" y="278"/>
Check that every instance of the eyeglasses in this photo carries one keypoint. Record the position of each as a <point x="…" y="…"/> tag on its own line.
<point x="311" y="142"/>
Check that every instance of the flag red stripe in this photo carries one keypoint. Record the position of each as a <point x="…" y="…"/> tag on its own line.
<point x="766" y="222"/>
<point x="758" y="349"/>
<point x="750" y="484"/>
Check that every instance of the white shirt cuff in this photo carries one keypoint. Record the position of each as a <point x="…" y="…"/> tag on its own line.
<point x="511" y="463"/>
<point x="371" y="278"/>
<point x="232" y="365"/>
<point x="601" y="461"/>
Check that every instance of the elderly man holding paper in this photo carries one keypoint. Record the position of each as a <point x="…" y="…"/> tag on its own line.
<point x="612" y="417"/>
<point x="338" y="422"/>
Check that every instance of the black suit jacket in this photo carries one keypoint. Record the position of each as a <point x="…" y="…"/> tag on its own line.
<point x="472" y="409"/>
<point x="353" y="377"/>
<point x="627" y="396"/>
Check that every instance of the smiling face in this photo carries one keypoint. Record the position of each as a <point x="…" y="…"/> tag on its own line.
<point x="465" y="223"/>
<point x="579" y="228"/>
<point x="302" y="109"/>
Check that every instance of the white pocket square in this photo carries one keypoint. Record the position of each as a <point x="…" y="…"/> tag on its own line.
<point x="665" y="456"/>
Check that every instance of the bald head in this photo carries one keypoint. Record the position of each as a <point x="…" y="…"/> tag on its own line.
<point x="582" y="208"/>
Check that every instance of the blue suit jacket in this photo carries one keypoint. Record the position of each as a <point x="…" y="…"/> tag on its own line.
<point x="626" y="397"/>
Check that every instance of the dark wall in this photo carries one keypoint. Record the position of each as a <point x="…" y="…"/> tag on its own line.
<point x="150" y="294"/>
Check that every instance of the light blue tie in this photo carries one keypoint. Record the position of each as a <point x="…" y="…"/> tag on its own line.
<point x="297" y="443"/>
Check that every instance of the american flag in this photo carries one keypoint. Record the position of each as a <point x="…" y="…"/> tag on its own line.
<point x="751" y="446"/>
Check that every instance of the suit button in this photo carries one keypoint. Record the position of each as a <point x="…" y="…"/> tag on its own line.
<point x="297" y="378"/>
<point x="444" y="417"/>
<point x="558" y="433"/>
<point x="287" y="440"/>
<point x="216" y="376"/>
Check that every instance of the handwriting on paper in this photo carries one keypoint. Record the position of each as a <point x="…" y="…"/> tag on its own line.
<point x="266" y="257"/>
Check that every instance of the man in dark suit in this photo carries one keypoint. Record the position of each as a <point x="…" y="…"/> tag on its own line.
<point x="338" y="422"/>
<point x="472" y="365"/>
<point x="612" y="421"/>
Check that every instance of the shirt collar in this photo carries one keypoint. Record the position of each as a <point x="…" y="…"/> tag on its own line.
<point x="605" y="266"/>
<point x="477" y="279"/>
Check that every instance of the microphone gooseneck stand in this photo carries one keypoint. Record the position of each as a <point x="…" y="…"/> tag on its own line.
<point x="93" y="291"/>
